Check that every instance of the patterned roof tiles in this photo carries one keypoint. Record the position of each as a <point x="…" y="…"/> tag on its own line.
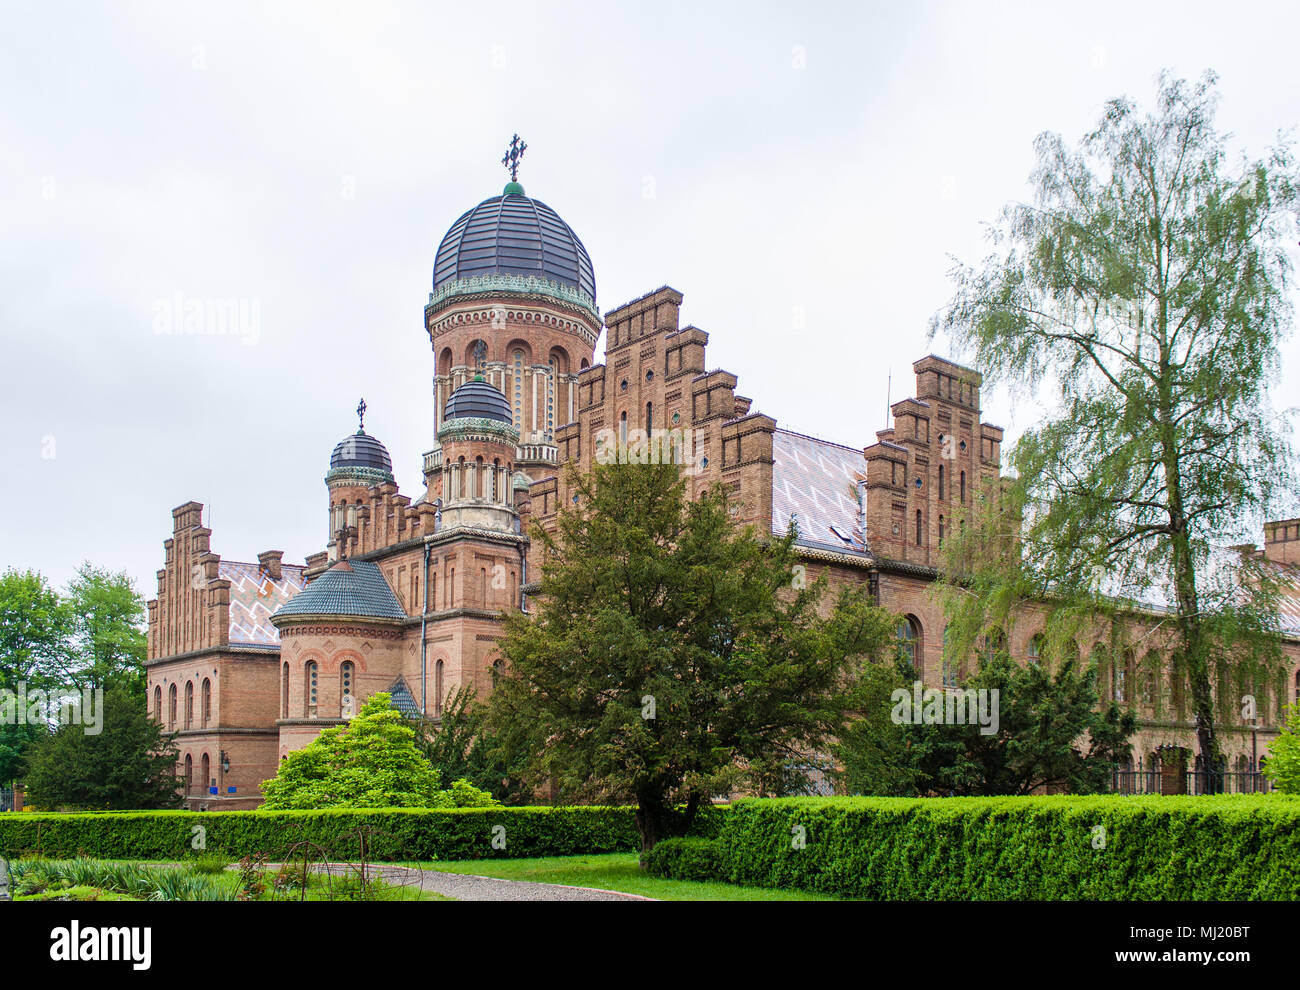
<point x="815" y="479"/>
<point x="254" y="598"/>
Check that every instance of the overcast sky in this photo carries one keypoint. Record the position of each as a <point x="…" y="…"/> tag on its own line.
<point x="774" y="162"/>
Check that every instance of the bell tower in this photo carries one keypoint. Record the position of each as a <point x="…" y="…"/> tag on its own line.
<point x="513" y="301"/>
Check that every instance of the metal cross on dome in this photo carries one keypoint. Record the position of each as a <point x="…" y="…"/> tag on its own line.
<point x="361" y="416"/>
<point x="512" y="156"/>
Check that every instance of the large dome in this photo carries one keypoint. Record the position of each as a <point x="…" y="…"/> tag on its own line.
<point x="512" y="234"/>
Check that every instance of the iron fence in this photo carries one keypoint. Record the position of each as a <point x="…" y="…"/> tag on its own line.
<point x="1157" y="781"/>
<point x="6" y="800"/>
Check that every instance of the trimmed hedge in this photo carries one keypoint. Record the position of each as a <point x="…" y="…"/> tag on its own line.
<point x="1114" y="847"/>
<point x="398" y="833"/>
<point x="686" y="859"/>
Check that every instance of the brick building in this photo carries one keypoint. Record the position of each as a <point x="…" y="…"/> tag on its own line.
<point x="247" y="661"/>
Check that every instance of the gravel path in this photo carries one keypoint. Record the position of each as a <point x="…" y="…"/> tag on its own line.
<point x="467" y="887"/>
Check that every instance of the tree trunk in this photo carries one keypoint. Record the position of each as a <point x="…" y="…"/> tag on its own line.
<point x="657" y="820"/>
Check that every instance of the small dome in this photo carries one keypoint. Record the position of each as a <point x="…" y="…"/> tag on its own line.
<point x="512" y="234"/>
<point x="478" y="400"/>
<point x="361" y="450"/>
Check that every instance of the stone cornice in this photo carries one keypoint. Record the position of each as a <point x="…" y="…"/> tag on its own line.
<point x="214" y="651"/>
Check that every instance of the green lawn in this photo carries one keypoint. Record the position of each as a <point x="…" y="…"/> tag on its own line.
<point x="614" y="871"/>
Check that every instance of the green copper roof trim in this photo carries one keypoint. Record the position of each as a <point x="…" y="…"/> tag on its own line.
<point x="472" y="427"/>
<point x="522" y="284"/>
<point x="367" y="475"/>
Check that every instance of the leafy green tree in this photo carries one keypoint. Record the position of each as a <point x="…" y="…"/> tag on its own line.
<point x="673" y="656"/>
<point x="372" y="762"/>
<point x="35" y="653"/>
<point x="16" y="741"/>
<point x="463" y="746"/>
<point x="1283" y="766"/>
<point x="129" y="764"/>
<point x="108" y="636"/>
<point x="1051" y="732"/>
<point x="1146" y="284"/>
<point x="35" y="626"/>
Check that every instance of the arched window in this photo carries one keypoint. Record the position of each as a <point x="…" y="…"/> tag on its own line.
<point x="995" y="642"/>
<point x="1148" y="679"/>
<point x="482" y="586"/>
<point x="346" y="678"/>
<point x="909" y="638"/>
<point x="205" y="774"/>
<point x="309" y="689"/>
<point x="963" y="488"/>
<point x="497" y="667"/>
<point x="189" y="774"/>
<point x="951" y="668"/>
<point x="622" y="430"/>
<point x="206" y="701"/>
<point x="157" y="704"/>
<point x="918" y="527"/>
<point x="171" y="707"/>
<point x="1035" y="649"/>
<point x="649" y="419"/>
<point x="437" y="688"/>
<point x="1297" y="687"/>
<point x="941" y="526"/>
<point x="189" y="704"/>
<point x="480" y="489"/>
<point x="1119" y="679"/>
<point x="942" y="490"/>
<point x="519" y="387"/>
<point x="284" y="691"/>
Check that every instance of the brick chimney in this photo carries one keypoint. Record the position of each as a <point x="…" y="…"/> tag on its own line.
<point x="270" y="563"/>
<point x="1282" y="541"/>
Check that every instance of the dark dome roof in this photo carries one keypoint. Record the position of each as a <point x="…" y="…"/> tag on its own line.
<point x="361" y="450"/>
<point x="511" y="234"/>
<point x="478" y="400"/>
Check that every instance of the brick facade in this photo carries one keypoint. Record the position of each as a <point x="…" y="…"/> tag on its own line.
<point x="457" y="558"/>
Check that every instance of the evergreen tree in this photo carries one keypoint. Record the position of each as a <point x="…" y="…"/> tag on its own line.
<point x="128" y="764"/>
<point x="674" y="656"/>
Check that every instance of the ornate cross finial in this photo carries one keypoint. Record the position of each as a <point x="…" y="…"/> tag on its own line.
<point x="361" y="416"/>
<point x="512" y="156"/>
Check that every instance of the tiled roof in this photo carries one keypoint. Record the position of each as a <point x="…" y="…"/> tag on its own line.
<point x="254" y="598"/>
<point x="403" y="700"/>
<point x="815" y="479"/>
<point x="350" y="587"/>
<point x="1288" y="607"/>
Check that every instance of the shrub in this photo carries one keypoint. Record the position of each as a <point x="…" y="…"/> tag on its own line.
<point x="687" y="859"/>
<point x="1283" y="766"/>
<point x="210" y="863"/>
<point x="1240" y="847"/>
<point x="391" y="833"/>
